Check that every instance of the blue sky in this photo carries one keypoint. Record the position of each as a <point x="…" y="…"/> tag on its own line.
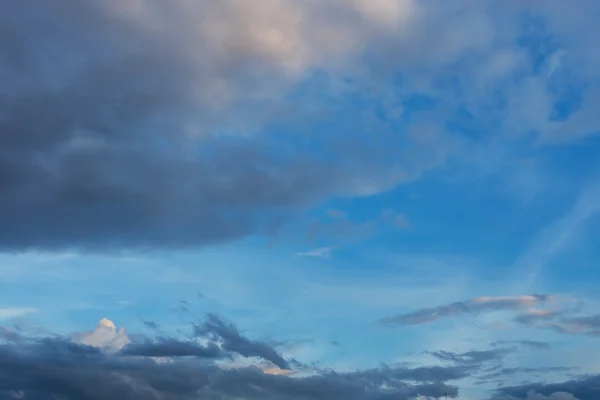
<point x="351" y="183"/>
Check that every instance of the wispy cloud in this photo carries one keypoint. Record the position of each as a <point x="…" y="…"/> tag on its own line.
<point x="7" y="313"/>
<point x="319" y="252"/>
<point x="551" y="240"/>
<point x="472" y="306"/>
<point x="471" y="357"/>
<point x="525" y="342"/>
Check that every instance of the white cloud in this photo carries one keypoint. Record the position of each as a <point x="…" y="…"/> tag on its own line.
<point x="320" y="252"/>
<point x="8" y="313"/>
<point x="104" y="336"/>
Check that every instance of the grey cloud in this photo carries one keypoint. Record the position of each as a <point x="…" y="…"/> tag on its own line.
<point x="567" y="322"/>
<point x="527" y="343"/>
<point x="169" y="347"/>
<point x="504" y="373"/>
<point x="471" y="306"/>
<point x="536" y="396"/>
<point x="9" y="334"/>
<point x="151" y="325"/>
<point x="584" y="388"/>
<point x="56" y="368"/>
<point x="431" y="374"/>
<point x="129" y="126"/>
<point x="588" y="325"/>
<point x="233" y="340"/>
<point x="144" y="124"/>
<point x="471" y="357"/>
<point x="536" y="316"/>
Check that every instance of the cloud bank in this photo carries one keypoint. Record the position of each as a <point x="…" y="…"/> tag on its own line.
<point x="34" y="367"/>
<point x="187" y="123"/>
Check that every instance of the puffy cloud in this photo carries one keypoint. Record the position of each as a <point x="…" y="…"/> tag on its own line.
<point x="105" y="336"/>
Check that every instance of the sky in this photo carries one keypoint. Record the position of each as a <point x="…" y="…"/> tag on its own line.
<point x="299" y="200"/>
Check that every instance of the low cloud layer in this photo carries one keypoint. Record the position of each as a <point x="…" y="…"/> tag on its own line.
<point x="537" y="396"/>
<point x="585" y="388"/>
<point x="34" y="367"/>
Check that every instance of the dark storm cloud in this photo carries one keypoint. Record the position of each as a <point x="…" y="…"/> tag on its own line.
<point x="585" y="388"/>
<point x="471" y="306"/>
<point x="233" y="340"/>
<point x="37" y="369"/>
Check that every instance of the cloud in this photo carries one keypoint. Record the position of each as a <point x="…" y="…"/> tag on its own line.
<point x="104" y="336"/>
<point x="7" y="313"/>
<point x="588" y="325"/>
<point x="232" y="340"/>
<point x="584" y="388"/>
<point x="334" y="213"/>
<point x="396" y="219"/>
<point x="141" y="125"/>
<point x="536" y="396"/>
<point x="506" y="373"/>
<point x="168" y="347"/>
<point x="471" y="306"/>
<point x="534" y="315"/>
<point x="562" y="321"/>
<point x="126" y="137"/>
<point x="527" y="343"/>
<point x="54" y="366"/>
<point x="471" y="357"/>
<point x="151" y="325"/>
<point x="553" y="239"/>
<point x="320" y="252"/>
